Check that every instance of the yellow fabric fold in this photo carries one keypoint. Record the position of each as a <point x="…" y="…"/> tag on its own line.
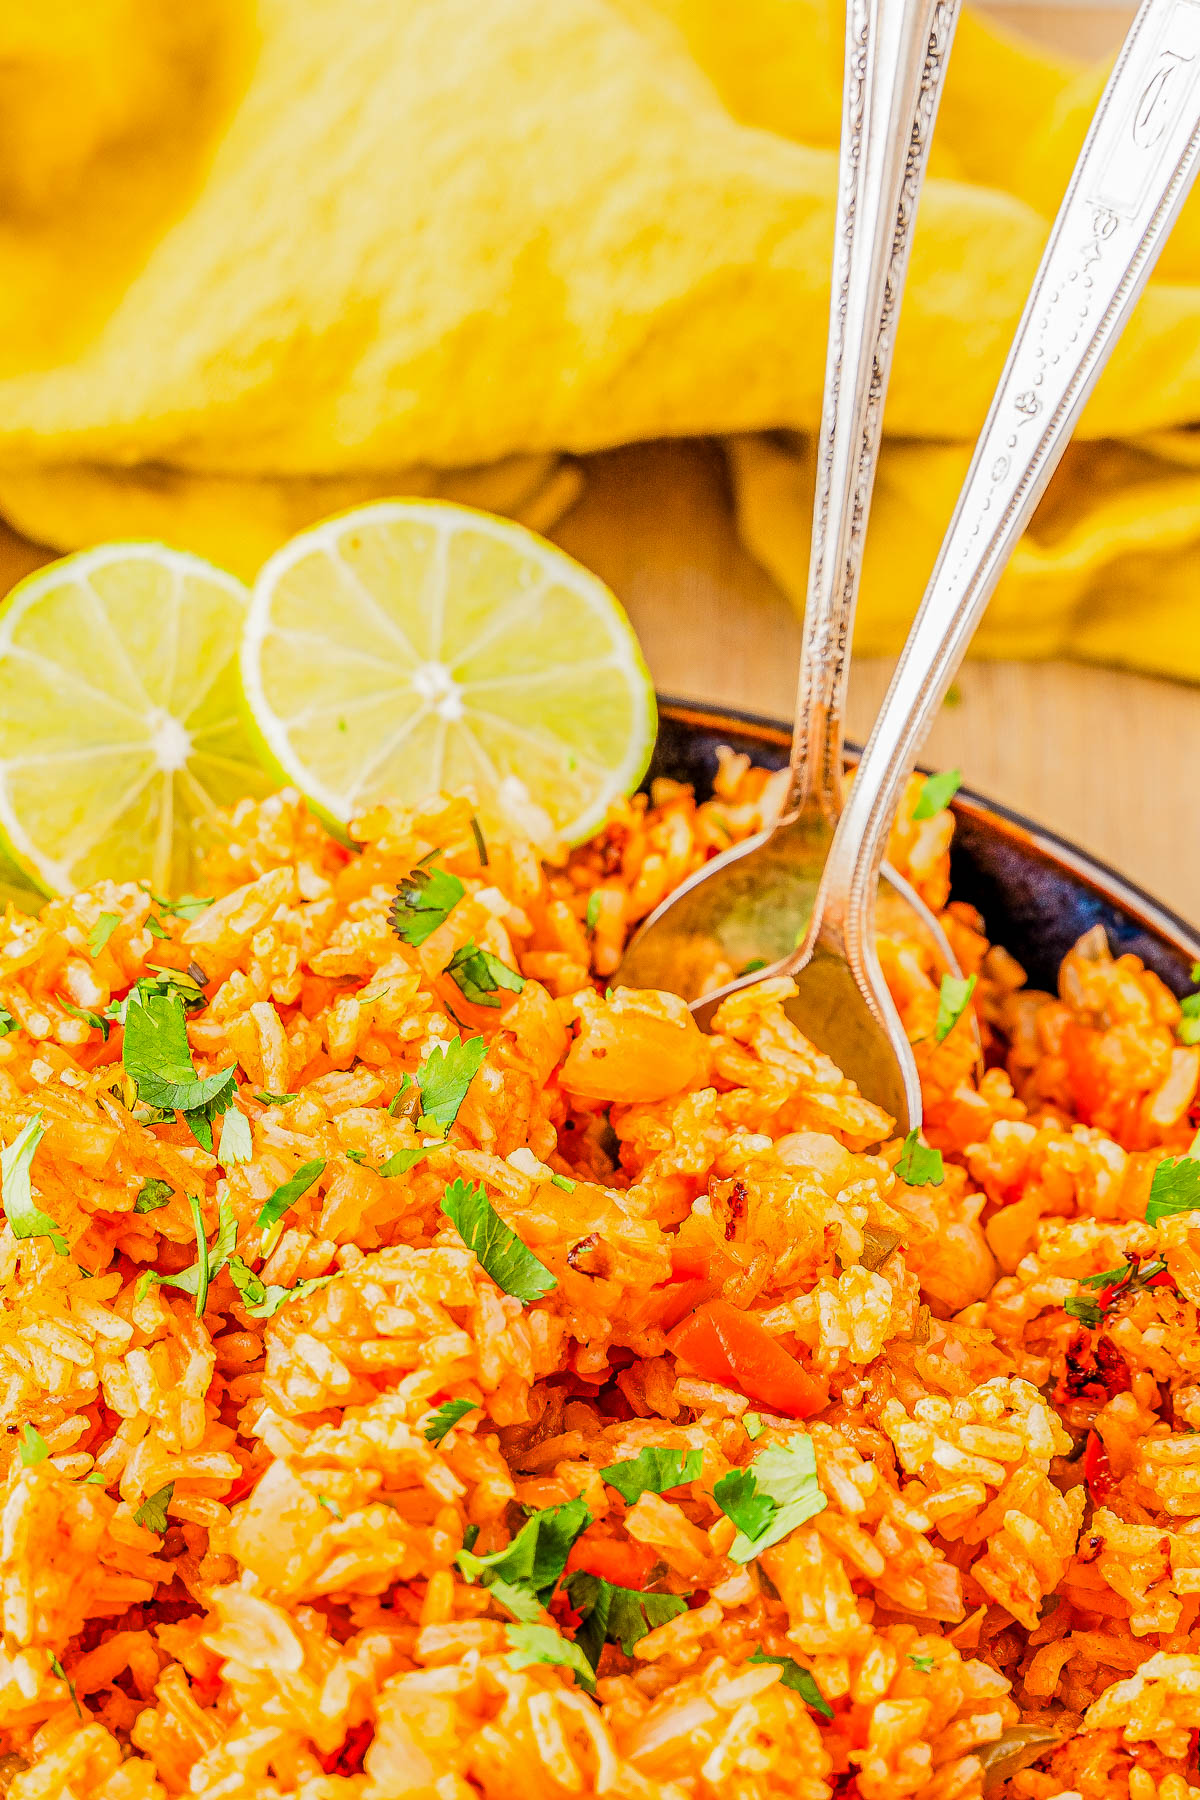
<point x="259" y="262"/>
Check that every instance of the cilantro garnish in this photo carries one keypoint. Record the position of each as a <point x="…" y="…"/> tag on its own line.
<point x="58" y="1670"/>
<point x="89" y="1018"/>
<point x="424" y="900"/>
<point x="1188" y="1029"/>
<point x="210" y="1259"/>
<point x="953" y="999"/>
<point x="525" y="1573"/>
<point x="753" y="966"/>
<point x="275" y="1099"/>
<point x="331" y="1506"/>
<point x="288" y="1192"/>
<point x="617" y="1615"/>
<point x="652" y="1471"/>
<point x="936" y="793"/>
<point x="179" y="983"/>
<point x="918" y="1165"/>
<point x="542" y="1644"/>
<point x="445" y="1076"/>
<point x="1116" y="1285"/>
<point x="447" y="1414"/>
<point x="157" y="1057"/>
<point x="101" y="931"/>
<point x="1175" y="1188"/>
<point x="156" y="928"/>
<point x="7" y="1022"/>
<point x="511" y="1265"/>
<point x="753" y="1426"/>
<point x="188" y="906"/>
<point x="767" y="1501"/>
<point x="152" y="1513"/>
<point x="151" y="1195"/>
<point x="95" y="1479"/>
<point x="799" y="1679"/>
<point x="564" y="1182"/>
<point x="591" y="917"/>
<point x="34" y="1448"/>
<point x="481" y="849"/>
<point x="237" y="1146"/>
<point x="26" y="1219"/>
<point x="262" y="1300"/>
<point x="1086" y="1311"/>
<point x="401" y="1161"/>
<point x="921" y="1663"/>
<point x="479" y="975"/>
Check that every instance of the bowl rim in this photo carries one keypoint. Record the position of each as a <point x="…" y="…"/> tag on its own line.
<point x="1079" y="864"/>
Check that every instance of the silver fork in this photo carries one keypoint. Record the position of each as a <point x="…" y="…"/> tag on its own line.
<point x="750" y="905"/>
<point x="1133" y="174"/>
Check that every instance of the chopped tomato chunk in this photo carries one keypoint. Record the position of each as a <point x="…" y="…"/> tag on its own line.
<point x="621" y="1562"/>
<point x="1097" y="1469"/>
<point x="725" y="1345"/>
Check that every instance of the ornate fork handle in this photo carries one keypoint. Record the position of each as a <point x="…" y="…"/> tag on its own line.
<point x="1133" y="175"/>
<point x="896" y="53"/>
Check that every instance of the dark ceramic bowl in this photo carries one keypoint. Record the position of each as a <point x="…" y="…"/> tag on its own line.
<point x="1037" y="893"/>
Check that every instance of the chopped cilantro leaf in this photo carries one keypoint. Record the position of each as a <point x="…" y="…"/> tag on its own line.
<point x="34" y="1448"/>
<point x="1175" y="1188"/>
<point x="101" y="931"/>
<point x="262" y="1300"/>
<point x="209" y="1262"/>
<point x="470" y="1537"/>
<point x="331" y="1506"/>
<point x="525" y="1573"/>
<point x="919" y="1166"/>
<point x="7" y="1022"/>
<point x="1188" y="1029"/>
<point x="424" y="900"/>
<point x="447" y="1414"/>
<point x="542" y="1644"/>
<point x="799" y="1679"/>
<point x="152" y="1513"/>
<point x="479" y="975"/>
<point x="26" y="1219"/>
<point x="288" y="1192"/>
<point x="58" y="1670"/>
<point x="157" y="1057"/>
<point x="652" y="1471"/>
<point x="500" y="1251"/>
<point x="406" y="1082"/>
<point x="401" y="1161"/>
<point x="937" y="793"/>
<point x="237" y="1146"/>
<point x="953" y="1000"/>
<point x="593" y="909"/>
<point x="156" y="928"/>
<point x="275" y="1099"/>
<point x="356" y="1156"/>
<point x="785" y="1474"/>
<point x="445" y="1076"/>
<point x="151" y="1195"/>
<point x="738" y="1497"/>
<point x="1106" y="1277"/>
<point x="481" y="849"/>
<point x="1086" y="1311"/>
<point x="564" y="1182"/>
<point x="617" y="1615"/>
<point x="93" y="1019"/>
<point x="922" y="1664"/>
<point x="753" y="966"/>
<point x="95" y="1479"/>
<point x="188" y="906"/>
<point x="752" y="1425"/>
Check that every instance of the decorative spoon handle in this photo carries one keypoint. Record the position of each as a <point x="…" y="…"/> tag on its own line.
<point x="896" y="56"/>
<point x="1132" y="177"/>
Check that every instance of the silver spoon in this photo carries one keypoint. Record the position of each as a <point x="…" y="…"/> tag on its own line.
<point x="1134" y="172"/>
<point x="750" y="905"/>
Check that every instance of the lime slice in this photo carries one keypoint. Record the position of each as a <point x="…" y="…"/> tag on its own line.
<point x="120" y="726"/>
<point x="412" y="646"/>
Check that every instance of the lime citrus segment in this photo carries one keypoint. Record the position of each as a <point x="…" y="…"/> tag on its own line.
<point x="121" y="729"/>
<point x="412" y="646"/>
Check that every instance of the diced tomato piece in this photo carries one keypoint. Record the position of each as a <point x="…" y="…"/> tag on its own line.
<point x="691" y="1262"/>
<point x="348" y="1759"/>
<point x="619" y="1561"/>
<point x="1085" y="1069"/>
<point x="678" y="1298"/>
<point x="1097" y="1469"/>
<point x="726" y="1345"/>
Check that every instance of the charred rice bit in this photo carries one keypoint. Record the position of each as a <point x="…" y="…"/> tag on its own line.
<point x="230" y="1545"/>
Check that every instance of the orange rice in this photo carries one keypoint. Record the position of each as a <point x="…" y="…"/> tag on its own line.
<point x="1001" y="1594"/>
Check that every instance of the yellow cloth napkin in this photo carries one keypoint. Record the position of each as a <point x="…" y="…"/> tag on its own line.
<point x="260" y="261"/>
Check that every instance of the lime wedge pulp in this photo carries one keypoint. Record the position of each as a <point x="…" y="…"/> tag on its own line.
<point x="410" y="646"/>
